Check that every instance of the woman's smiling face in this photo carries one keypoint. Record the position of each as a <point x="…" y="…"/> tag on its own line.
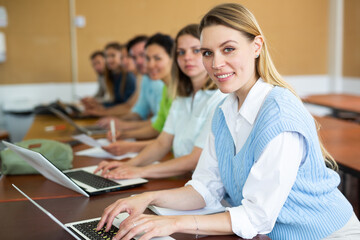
<point x="229" y="57"/>
<point x="158" y="62"/>
<point x="113" y="59"/>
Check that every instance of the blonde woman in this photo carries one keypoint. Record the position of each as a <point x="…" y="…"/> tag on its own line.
<point x="263" y="155"/>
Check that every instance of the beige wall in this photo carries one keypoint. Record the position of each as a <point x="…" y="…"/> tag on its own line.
<point x="38" y="39"/>
<point x="351" y="64"/>
<point x="283" y="23"/>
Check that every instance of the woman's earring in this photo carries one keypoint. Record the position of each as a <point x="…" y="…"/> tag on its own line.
<point x="257" y="55"/>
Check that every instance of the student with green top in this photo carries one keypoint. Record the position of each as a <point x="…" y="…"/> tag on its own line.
<point x="186" y="126"/>
<point x="145" y="111"/>
<point x="158" y="66"/>
<point x="165" y="105"/>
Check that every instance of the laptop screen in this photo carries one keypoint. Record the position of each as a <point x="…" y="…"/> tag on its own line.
<point x="47" y="213"/>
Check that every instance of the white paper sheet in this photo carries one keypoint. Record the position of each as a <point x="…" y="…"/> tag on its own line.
<point x="172" y="212"/>
<point x="85" y="139"/>
<point x="98" y="152"/>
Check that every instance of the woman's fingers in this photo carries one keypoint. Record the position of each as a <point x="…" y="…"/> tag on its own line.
<point x="148" y="226"/>
<point x="104" y="216"/>
<point x="101" y="166"/>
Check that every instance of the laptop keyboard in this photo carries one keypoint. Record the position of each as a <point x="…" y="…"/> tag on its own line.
<point x="91" y="179"/>
<point x="89" y="230"/>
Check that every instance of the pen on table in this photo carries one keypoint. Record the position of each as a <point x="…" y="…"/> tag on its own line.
<point x="55" y="127"/>
<point x="112" y="129"/>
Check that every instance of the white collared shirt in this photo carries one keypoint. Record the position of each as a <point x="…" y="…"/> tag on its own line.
<point x="189" y="120"/>
<point x="271" y="177"/>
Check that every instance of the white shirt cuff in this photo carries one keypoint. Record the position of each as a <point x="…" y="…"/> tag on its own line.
<point x="240" y="223"/>
<point x="210" y="200"/>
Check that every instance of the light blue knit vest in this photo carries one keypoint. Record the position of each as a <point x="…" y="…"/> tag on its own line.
<point x="315" y="208"/>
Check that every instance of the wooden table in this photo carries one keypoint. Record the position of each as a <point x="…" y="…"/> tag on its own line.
<point x="337" y="102"/>
<point x="22" y="220"/>
<point x="37" y="129"/>
<point x="342" y="139"/>
<point x="39" y="187"/>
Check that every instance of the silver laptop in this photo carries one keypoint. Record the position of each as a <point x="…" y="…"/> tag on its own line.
<point x="81" y="180"/>
<point x="89" y="130"/>
<point x="86" y="229"/>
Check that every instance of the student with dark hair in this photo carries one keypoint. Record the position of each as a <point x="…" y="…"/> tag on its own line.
<point x="97" y="59"/>
<point x="158" y="50"/>
<point x="139" y="120"/>
<point x="186" y="127"/>
<point x="158" y="68"/>
<point x="127" y="62"/>
<point x="136" y="50"/>
<point x="120" y="85"/>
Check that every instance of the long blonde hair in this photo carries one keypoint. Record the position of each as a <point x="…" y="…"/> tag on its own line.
<point x="239" y="18"/>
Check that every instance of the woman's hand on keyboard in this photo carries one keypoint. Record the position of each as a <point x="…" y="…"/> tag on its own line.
<point x="134" y="206"/>
<point x="125" y="172"/>
<point x="106" y="166"/>
<point x="148" y="225"/>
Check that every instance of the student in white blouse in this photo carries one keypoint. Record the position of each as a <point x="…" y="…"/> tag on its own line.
<point x="263" y="154"/>
<point x="189" y="120"/>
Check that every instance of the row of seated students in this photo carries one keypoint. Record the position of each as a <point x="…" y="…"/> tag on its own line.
<point x="226" y="113"/>
<point x="117" y="82"/>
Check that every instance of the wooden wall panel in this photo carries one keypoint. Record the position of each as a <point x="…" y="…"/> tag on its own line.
<point x="39" y="42"/>
<point x="297" y="30"/>
<point x="351" y="62"/>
